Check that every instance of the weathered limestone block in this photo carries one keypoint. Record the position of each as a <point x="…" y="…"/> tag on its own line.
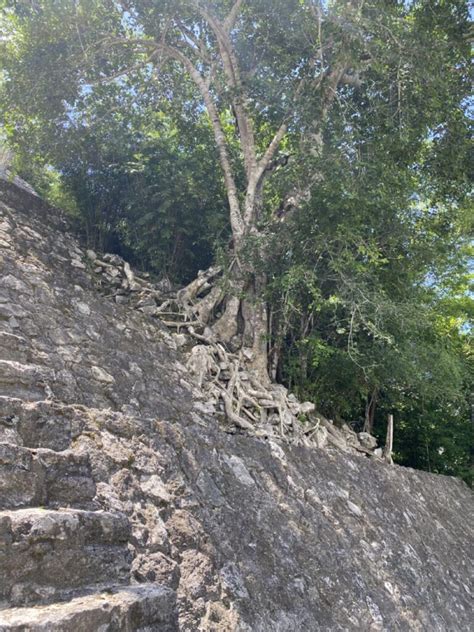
<point x="43" y="477"/>
<point x="144" y="607"/>
<point x="20" y="481"/>
<point x="13" y="347"/>
<point x="42" y="424"/>
<point x="367" y="440"/>
<point x="44" y="554"/>
<point x="23" y="380"/>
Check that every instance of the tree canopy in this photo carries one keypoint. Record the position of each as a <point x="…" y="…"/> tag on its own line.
<point x="319" y="151"/>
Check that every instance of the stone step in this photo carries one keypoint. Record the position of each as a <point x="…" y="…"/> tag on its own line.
<point x="42" y="477"/>
<point x="27" y="381"/>
<point x="144" y="607"/>
<point x="39" y="424"/>
<point x="45" y="554"/>
<point x="13" y="347"/>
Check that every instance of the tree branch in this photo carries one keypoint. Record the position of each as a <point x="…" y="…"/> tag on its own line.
<point x="232" y="72"/>
<point x="232" y="195"/>
<point x="125" y="71"/>
<point x="302" y="195"/>
<point x="230" y="20"/>
<point x="194" y="43"/>
<point x="256" y="183"/>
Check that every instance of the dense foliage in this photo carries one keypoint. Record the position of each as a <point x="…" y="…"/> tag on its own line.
<point x="367" y="276"/>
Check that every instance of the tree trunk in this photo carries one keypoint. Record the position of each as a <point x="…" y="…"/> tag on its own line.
<point x="255" y="316"/>
<point x="387" y="451"/>
<point x="370" y="411"/>
<point x="233" y="313"/>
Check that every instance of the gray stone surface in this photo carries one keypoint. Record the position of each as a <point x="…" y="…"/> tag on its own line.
<point x="52" y="304"/>
<point x="205" y="530"/>
<point x="44" y="477"/>
<point x="143" y="608"/>
<point x="46" y="553"/>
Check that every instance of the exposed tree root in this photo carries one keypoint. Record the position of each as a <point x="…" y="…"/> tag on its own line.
<point x="210" y="323"/>
<point x="206" y="322"/>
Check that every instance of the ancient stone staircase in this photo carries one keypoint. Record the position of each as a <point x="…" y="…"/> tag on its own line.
<point x="124" y="506"/>
<point x="65" y="564"/>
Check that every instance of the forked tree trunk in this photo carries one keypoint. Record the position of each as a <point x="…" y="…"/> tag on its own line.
<point x="243" y="319"/>
<point x="256" y="334"/>
<point x="231" y="309"/>
<point x="243" y="322"/>
<point x="370" y="411"/>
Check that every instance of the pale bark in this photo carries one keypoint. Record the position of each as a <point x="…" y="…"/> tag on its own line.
<point x="370" y="412"/>
<point x="255" y="314"/>
<point x="227" y="325"/>
<point x="244" y="308"/>
<point x="232" y="72"/>
<point x="387" y="451"/>
<point x="231" y="188"/>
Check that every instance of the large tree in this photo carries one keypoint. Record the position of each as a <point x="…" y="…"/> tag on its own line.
<point x="287" y="86"/>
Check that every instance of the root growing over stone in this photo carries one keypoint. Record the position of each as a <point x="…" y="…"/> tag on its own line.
<point x="205" y="322"/>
